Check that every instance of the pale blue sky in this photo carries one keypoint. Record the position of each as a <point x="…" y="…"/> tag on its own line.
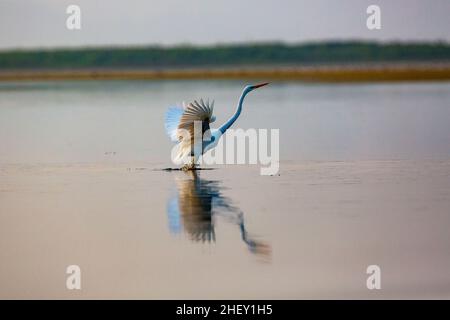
<point x="41" y="23"/>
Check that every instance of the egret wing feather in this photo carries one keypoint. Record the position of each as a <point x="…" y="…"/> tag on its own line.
<point x="196" y="111"/>
<point x="173" y="117"/>
<point x="181" y="120"/>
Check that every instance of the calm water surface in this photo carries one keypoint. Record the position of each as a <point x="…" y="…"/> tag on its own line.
<point x="88" y="121"/>
<point x="364" y="179"/>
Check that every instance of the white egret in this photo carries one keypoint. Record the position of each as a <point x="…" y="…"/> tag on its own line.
<point x="181" y="122"/>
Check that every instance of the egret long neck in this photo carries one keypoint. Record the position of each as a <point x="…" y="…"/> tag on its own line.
<point x="230" y="122"/>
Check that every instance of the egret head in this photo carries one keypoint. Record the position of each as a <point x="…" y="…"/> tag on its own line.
<point x="255" y="86"/>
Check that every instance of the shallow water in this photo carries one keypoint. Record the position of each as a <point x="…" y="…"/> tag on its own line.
<point x="123" y="121"/>
<point x="364" y="179"/>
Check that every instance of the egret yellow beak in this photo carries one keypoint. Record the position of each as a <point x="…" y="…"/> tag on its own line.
<point x="260" y="85"/>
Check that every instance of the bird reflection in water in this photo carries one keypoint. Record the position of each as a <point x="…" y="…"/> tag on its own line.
<point x="195" y="207"/>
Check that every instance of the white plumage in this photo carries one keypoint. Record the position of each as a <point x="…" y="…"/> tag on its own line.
<point x="181" y="123"/>
<point x="188" y="126"/>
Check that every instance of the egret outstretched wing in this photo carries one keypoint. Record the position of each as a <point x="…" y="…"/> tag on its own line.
<point x="173" y="117"/>
<point x="180" y="121"/>
<point x="196" y="112"/>
<point x="178" y="117"/>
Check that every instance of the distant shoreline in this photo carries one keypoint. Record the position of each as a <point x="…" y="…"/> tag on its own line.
<point x="329" y="61"/>
<point x="342" y="73"/>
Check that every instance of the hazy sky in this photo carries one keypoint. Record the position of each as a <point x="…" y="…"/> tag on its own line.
<point x="42" y="23"/>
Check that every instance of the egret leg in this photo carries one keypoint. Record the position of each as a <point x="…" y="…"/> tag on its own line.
<point x="189" y="166"/>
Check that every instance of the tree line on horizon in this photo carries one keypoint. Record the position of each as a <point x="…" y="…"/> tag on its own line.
<point x="223" y="55"/>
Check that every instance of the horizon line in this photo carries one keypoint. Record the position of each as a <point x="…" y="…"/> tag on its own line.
<point x="225" y="44"/>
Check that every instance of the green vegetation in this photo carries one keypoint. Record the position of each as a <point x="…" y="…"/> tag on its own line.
<point x="224" y="55"/>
